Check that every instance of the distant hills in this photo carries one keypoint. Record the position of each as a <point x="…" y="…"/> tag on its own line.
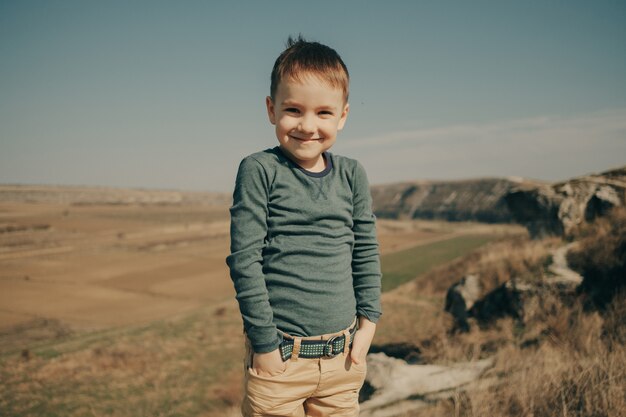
<point x="543" y="207"/>
<point x="92" y="195"/>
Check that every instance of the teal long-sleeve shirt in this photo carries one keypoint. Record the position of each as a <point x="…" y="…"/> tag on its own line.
<point x="304" y="257"/>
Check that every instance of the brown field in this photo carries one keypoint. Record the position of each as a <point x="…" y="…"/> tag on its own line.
<point x="97" y="266"/>
<point x="100" y="266"/>
<point x="127" y="309"/>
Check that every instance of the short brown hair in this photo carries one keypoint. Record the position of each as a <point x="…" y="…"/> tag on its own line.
<point x="302" y="57"/>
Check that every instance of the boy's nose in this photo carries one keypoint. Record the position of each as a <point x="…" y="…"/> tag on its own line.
<point x="306" y="125"/>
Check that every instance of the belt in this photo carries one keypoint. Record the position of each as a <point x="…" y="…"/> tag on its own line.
<point x="311" y="349"/>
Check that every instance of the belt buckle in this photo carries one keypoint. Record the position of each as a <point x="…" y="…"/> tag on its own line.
<point x="328" y="348"/>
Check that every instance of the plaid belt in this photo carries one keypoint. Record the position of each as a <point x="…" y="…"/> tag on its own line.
<point x="312" y="349"/>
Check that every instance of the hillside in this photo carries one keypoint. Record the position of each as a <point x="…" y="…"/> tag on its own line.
<point x="544" y="208"/>
<point x="91" y="195"/>
<point x="479" y="199"/>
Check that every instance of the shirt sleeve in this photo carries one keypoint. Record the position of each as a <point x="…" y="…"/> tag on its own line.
<point x="366" y="272"/>
<point x="248" y="237"/>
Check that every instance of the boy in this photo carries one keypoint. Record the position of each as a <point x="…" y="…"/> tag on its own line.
<point x="304" y="255"/>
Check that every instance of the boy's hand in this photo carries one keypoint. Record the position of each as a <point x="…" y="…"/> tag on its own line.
<point x="268" y="364"/>
<point x="362" y="340"/>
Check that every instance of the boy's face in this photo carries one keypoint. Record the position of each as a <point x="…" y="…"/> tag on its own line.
<point x="307" y="116"/>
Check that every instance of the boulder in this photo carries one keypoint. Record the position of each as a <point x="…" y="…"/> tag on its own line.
<point x="515" y="298"/>
<point x="521" y="298"/>
<point x="399" y="387"/>
<point x="460" y="298"/>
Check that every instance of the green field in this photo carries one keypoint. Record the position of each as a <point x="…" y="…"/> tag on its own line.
<point x="403" y="266"/>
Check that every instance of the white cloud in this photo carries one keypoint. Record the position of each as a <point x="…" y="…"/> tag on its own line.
<point x="547" y="147"/>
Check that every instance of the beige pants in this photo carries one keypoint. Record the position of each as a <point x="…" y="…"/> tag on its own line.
<point x="307" y="387"/>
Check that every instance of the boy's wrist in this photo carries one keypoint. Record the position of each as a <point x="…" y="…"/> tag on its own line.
<point x="366" y="324"/>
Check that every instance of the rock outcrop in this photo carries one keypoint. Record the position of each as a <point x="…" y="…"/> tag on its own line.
<point x="559" y="209"/>
<point x="461" y="298"/>
<point x="399" y="387"/>
<point x="524" y="299"/>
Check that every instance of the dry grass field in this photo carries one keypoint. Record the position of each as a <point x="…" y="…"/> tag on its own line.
<point x="96" y="266"/>
<point x="128" y="309"/>
<point x="568" y="361"/>
<point x="100" y="266"/>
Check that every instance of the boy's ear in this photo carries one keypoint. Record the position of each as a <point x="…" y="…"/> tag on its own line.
<point x="270" y="110"/>
<point x="344" y="116"/>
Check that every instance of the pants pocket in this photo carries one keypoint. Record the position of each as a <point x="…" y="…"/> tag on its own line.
<point x="357" y="373"/>
<point x="275" y="395"/>
<point x="249" y="361"/>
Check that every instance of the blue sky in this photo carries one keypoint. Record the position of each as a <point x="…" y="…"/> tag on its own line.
<point x="171" y="94"/>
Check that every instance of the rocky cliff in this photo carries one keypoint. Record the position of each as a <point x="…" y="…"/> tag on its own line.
<point x="544" y="208"/>
<point x="474" y="199"/>
<point x="560" y="208"/>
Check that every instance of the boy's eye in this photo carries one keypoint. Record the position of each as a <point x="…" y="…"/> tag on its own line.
<point x="291" y="110"/>
<point x="326" y="112"/>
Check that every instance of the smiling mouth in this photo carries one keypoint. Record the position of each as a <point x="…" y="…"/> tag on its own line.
<point x="305" y="140"/>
